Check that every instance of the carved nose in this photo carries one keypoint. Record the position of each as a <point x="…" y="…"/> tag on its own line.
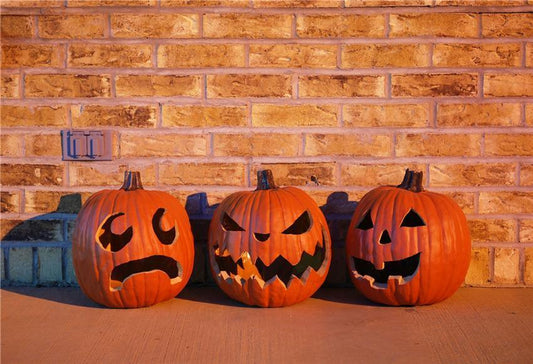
<point x="261" y="237"/>
<point x="385" y="238"/>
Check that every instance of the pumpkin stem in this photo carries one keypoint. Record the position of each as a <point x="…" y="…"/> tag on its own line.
<point x="412" y="181"/>
<point x="265" y="180"/>
<point x="132" y="181"/>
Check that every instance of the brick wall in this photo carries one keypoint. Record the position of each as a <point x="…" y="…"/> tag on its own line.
<point x="201" y="93"/>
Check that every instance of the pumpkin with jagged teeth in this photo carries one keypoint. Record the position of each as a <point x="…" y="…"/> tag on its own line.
<point x="269" y="247"/>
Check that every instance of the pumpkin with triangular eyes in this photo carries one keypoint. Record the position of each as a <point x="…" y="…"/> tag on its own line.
<point x="132" y="247"/>
<point x="269" y="247"/>
<point x="407" y="246"/>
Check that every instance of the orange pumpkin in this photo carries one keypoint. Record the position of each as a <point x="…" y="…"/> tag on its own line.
<point x="407" y="246"/>
<point x="132" y="247"/>
<point x="269" y="247"/>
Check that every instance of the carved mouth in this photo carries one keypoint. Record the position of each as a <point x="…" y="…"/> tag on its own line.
<point x="244" y="268"/>
<point x="124" y="271"/>
<point x="403" y="270"/>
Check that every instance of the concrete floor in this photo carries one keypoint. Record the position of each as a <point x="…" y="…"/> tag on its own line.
<point x="60" y="325"/>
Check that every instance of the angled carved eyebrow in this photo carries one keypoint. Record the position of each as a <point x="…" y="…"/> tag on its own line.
<point x="107" y="238"/>
<point x="229" y="224"/>
<point x="301" y="225"/>
<point x="165" y="237"/>
<point x="412" y="219"/>
<point x="366" y="222"/>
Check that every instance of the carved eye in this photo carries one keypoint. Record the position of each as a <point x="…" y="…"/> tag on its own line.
<point x="107" y="238"/>
<point x="229" y="224"/>
<point x="301" y="225"/>
<point x="366" y="222"/>
<point x="165" y="237"/>
<point x="412" y="219"/>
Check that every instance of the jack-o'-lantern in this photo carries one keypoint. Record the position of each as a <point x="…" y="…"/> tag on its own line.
<point x="269" y="247"/>
<point x="132" y="247"/>
<point x="407" y="246"/>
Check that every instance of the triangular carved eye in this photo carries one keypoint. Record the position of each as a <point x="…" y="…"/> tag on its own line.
<point x="165" y="237"/>
<point x="412" y="219"/>
<point x="366" y="222"/>
<point x="229" y="224"/>
<point x="300" y="225"/>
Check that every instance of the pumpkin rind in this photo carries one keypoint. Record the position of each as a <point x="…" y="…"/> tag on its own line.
<point x="443" y="245"/>
<point x="94" y="263"/>
<point x="266" y="213"/>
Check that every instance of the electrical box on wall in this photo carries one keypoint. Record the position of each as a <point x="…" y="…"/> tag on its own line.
<point x="86" y="145"/>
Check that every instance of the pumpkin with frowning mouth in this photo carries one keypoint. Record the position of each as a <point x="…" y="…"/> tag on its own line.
<point x="132" y="247"/>
<point x="407" y="246"/>
<point x="269" y="247"/>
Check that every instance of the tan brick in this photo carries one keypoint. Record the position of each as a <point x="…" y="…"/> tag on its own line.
<point x="509" y="144"/>
<point x="10" y="145"/>
<point x="477" y="55"/>
<point x="340" y="26"/>
<point x="411" y="145"/>
<point x="514" y="202"/>
<point x="32" y="230"/>
<point x="53" y="85"/>
<point x="200" y="55"/>
<point x="526" y="231"/>
<point x="21" y="265"/>
<point x="508" y="85"/>
<point x="159" y="85"/>
<point x="142" y="145"/>
<point x="116" y="115"/>
<point x="54" y="201"/>
<point x="305" y="115"/>
<point x="23" y="116"/>
<point x="385" y="55"/>
<point x="50" y="266"/>
<point x="342" y="86"/>
<point x="31" y="175"/>
<point x="529" y="114"/>
<point x="492" y="230"/>
<point x="10" y="86"/>
<point x="155" y="25"/>
<point x="203" y="116"/>
<point x="386" y="115"/>
<point x="110" y="55"/>
<point x="387" y="3"/>
<point x="85" y="26"/>
<point x="98" y="3"/>
<point x="252" y="26"/>
<point x="528" y="266"/>
<point x="497" y="114"/>
<point x="529" y="55"/>
<point x="32" y="55"/>
<point x="456" y="25"/>
<point x="298" y="174"/>
<point x="434" y="85"/>
<point x="479" y="2"/>
<point x="194" y="3"/>
<point x="218" y="174"/>
<point x="376" y="145"/>
<point x="43" y="145"/>
<point x="253" y="145"/>
<point x="293" y="55"/>
<point x="519" y="25"/>
<point x="479" y="272"/>
<point x="373" y="175"/>
<point x="108" y="174"/>
<point x="32" y="3"/>
<point x="249" y="85"/>
<point x="506" y="265"/>
<point x="10" y="202"/>
<point x="16" y="26"/>
<point x="465" y="200"/>
<point x="526" y="174"/>
<point x="483" y="174"/>
<point x="297" y="3"/>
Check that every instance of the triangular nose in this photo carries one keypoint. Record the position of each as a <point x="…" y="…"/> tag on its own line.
<point x="385" y="238"/>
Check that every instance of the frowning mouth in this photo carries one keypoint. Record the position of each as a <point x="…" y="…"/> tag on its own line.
<point x="403" y="270"/>
<point x="124" y="271"/>
<point x="244" y="268"/>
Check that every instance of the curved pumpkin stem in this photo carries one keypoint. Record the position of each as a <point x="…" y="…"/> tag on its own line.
<point x="132" y="181"/>
<point x="412" y="181"/>
<point x="265" y="180"/>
